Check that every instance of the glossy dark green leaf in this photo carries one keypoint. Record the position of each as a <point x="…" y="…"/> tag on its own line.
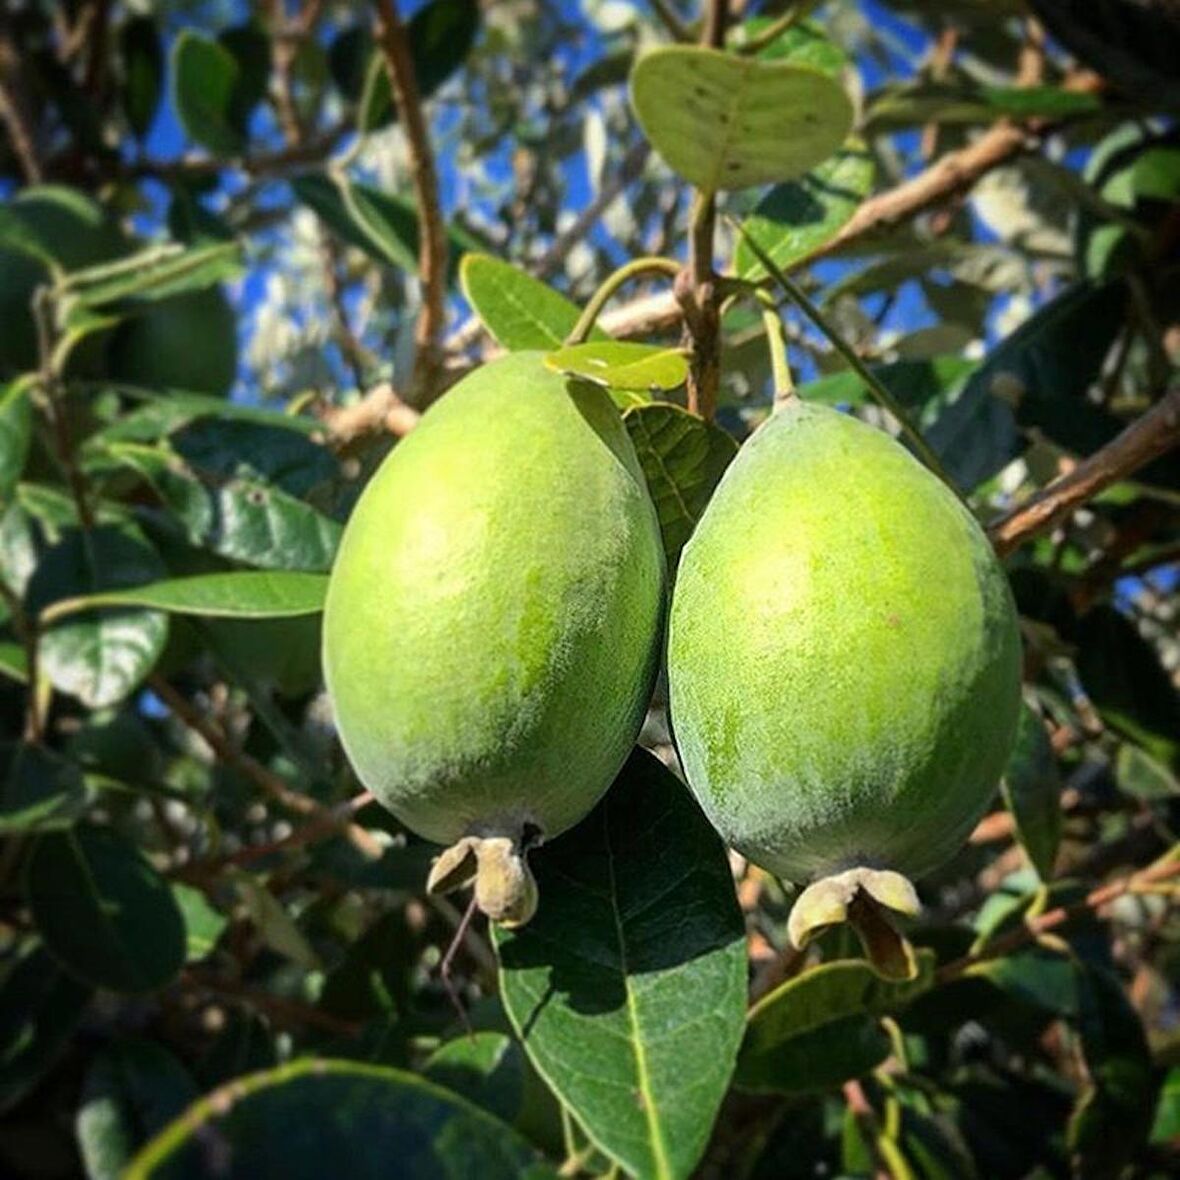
<point x="1032" y="791"/>
<point x="1135" y="45"/>
<point x="726" y="122"/>
<point x="622" y="364"/>
<point x="238" y="595"/>
<point x="103" y="911"/>
<point x="683" y="457"/>
<point x="519" y="311"/>
<point x="99" y="656"/>
<point x="821" y="1028"/>
<point x="1114" y="1115"/>
<point x="132" y="1090"/>
<point x="40" y="1007"/>
<point x="489" y="1069"/>
<point x="1034" y="976"/>
<point x="1038" y="376"/>
<point x="205" y="76"/>
<point x="143" y="72"/>
<point x="303" y="1119"/>
<point x="628" y="987"/>
<point x="40" y="790"/>
<point x="441" y="34"/>
<point x="238" y="516"/>
<point x="795" y="219"/>
<point x="1122" y="673"/>
<point x="14" y="663"/>
<point x="16" y="429"/>
<point x="251" y="50"/>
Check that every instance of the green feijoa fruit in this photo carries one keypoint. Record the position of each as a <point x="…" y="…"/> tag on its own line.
<point x="493" y="621"/>
<point x="844" y="668"/>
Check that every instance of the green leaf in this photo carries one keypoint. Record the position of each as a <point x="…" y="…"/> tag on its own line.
<point x="98" y="657"/>
<point x="821" y="1028"/>
<point x="1167" y="1114"/>
<point x="628" y="987"/>
<point x="203" y="924"/>
<point x="41" y="790"/>
<point x="804" y="44"/>
<point x="16" y="431"/>
<point x="619" y="364"/>
<point x="916" y="104"/>
<point x="441" y="34"/>
<point x="251" y="50"/>
<point x="683" y="457"/>
<point x="726" y="122"/>
<point x="152" y="275"/>
<point x="519" y="311"/>
<point x="301" y="1120"/>
<point x="1041" y="373"/>
<point x="14" y="664"/>
<point x="383" y="225"/>
<point x="1114" y="1115"/>
<point x="796" y="219"/>
<point x="1032" y="791"/>
<point x="238" y="595"/>
<point x="205" y="77"/>
<point x="927" y="386"/>
<point x="143" y="72"/>
<point x="132" y="1090"/>
<point x="239" y="516"/>
<point x="277" y="927"/>
<point x="489" y="1069"/>
<point x="103" y="911"/>
<point x="1142" y="776"/>
<point x="40" y="1007"/>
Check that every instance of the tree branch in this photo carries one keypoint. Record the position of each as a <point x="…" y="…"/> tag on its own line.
<point x="14" y="111"/>
<point x="269" y="783"/>
<point x="952" y="175"/>
<point x="1148" y="437"/>
<point x="432" y="250"/>
<point x="379" y="410"/>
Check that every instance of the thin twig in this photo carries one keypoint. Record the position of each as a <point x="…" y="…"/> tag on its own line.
<point x="269" y="783"/>
<point x="14" y="110"/>
<point x="1164" y="869"/>
<point x="432" y="249"/>
<point x="672" y="20"/>
<point x="610" y="285"/>
<point x="282" y="1010"/>
<point x="1149" y="436"/>
<point x="380" y="410"/>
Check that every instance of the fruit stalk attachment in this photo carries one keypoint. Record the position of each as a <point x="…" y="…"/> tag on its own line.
<point x="864" y="898"/>
<point x="498" y="866"/>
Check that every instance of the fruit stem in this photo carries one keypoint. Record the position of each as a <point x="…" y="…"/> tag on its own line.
<point x="876" y="389"/>
<point x="649" y="264"/>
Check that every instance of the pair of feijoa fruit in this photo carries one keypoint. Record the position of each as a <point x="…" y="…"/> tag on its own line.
<point x="843" y="654"/>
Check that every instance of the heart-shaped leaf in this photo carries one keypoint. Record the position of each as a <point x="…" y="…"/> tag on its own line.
<point x="519" y="311"/>
<point x="630" y="1011"/>
<point x="301" y="1120"/>
<point x="621" y="364"/>
<point x="795" y="219"/>
<point x="725" y="122"/>
<point x="683" y="457"/>
<point x="103" y="911"/>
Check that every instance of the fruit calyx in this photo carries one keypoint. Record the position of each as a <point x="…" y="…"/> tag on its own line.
<point x="864" y="898"/>
<point x="498" y="865"/>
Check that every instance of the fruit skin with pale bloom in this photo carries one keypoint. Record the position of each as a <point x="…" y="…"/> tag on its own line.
<point x="844" y="658"/>
<point x="493" y="620"/>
